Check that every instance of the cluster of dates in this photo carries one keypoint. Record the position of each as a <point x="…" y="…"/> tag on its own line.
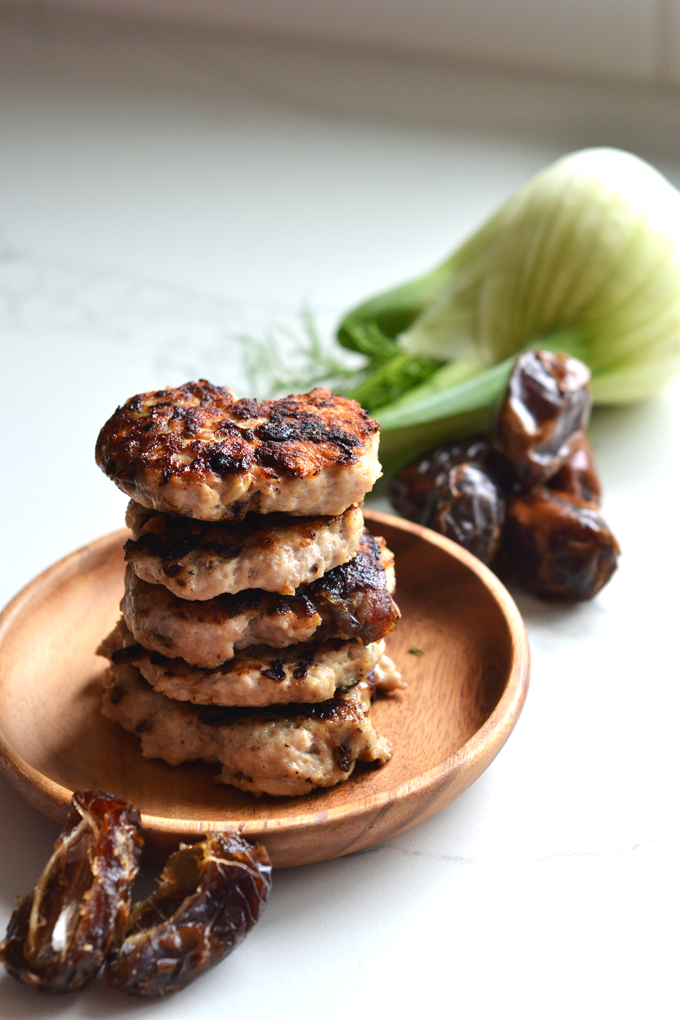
<point x="79" y="922"/>
<point x="525" y="500"/>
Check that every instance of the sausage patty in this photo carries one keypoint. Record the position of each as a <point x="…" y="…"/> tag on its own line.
<point x="198" y="560"/>
<point x="351" y="601"/>
<point x="255" y="676"/>
<point x="284" y="750"/>
<point x="198" y="451"/>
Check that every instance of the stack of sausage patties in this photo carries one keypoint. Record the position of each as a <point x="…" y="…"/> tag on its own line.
<point x="256" y="603"/>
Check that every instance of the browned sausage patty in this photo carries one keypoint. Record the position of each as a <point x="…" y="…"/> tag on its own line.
<point x="197" y="451"/>
<point x="258" y="675"/>
<point x="351" y="601"/>
<point x="284" y="750"/>
<point x="202" y="559"/>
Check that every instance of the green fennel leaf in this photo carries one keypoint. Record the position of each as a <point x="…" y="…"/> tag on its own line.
<point x="288" y="360"/>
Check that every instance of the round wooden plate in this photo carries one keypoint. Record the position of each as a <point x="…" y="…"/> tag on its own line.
<point x="465" y="693"/>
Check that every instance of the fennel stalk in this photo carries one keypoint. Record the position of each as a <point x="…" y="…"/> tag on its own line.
<point x="585" y="259"/>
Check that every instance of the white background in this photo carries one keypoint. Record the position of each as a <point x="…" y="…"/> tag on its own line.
<point x="163" y="188"/>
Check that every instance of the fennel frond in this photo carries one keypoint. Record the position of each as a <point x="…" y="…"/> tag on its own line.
<point x="289" y="360"/>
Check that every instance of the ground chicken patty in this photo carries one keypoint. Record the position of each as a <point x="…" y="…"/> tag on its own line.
<point x="255" y="676"/>
<point x="200" y="560"/>
<point x="197" y="451"/>
<point x="351" y="601"/>
<point x="282" y="750"/>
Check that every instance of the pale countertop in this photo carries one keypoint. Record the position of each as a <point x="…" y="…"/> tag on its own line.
<point x="159" y="193"/>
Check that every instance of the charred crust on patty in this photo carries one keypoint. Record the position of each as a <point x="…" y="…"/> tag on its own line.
<point x="128" y="654"/>
<point x="200" y="435"/>
<point x="364" y="572"/>
<point x="353" y="599"/>
<point x="202" y="559"/>
<point x="336" y="709"/>
<point x="170" y="537"/>
<point x="275" y="671"/>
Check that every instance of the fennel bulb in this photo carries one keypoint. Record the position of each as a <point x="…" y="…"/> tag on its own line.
<point x="584" y="259"/>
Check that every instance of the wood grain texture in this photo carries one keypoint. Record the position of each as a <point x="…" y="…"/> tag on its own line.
<point x="464" y="696"/>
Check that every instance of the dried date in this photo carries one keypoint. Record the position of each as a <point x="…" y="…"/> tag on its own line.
<point x="60" y="934"/>
<point x="452" y="490"/>
<point x="541" y="467"/>
<point x="467" y="507"/>
<point x="545" y="409"/>
<point x="209" y="897"/>
<point x="411" y="490"/>
<point x="578" y="476"/>
<point x="557" y="546"/>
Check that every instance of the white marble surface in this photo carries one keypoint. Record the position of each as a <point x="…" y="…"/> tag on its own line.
<point x="152" y="203"/>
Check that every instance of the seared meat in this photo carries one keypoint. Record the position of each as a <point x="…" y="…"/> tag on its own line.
<point x="284" y="750"/>
<point x="198" y="560"/>
<point x="255" y="676"/>
<point x="197" y="451"/>
<point x="355" y="600"/>
<point x="207" y="633"/>
<point x="351" y="601"/>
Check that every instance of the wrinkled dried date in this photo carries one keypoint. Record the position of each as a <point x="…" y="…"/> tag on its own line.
<point x="411" y="490"/>
<point x="557" y="546"/>
<point x="59" y="935"/>
<point x="78" y="922"/>
<point x="551" y="537"/>
<point x="577" y="476"/>
<point x="451" y="491"/>
<point x="545" y="408"/>
<point x="468" y="507"/>
<point x="210" y="896"/>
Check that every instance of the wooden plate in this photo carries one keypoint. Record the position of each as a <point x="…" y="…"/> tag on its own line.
<point x="465" y="694"/>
